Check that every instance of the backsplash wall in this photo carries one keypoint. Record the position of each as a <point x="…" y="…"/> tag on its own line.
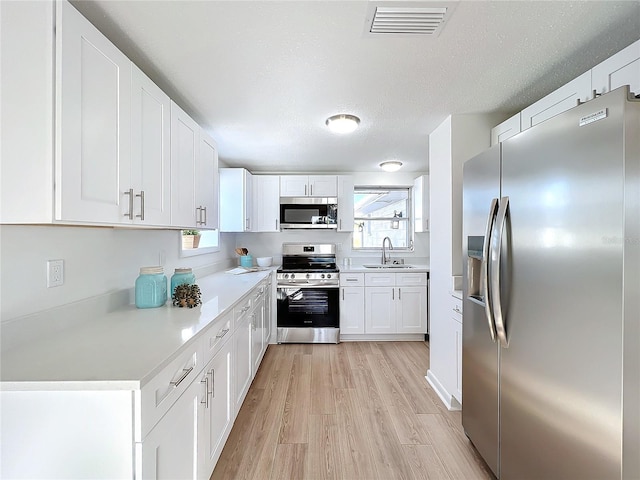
<point x="96" y="261"/>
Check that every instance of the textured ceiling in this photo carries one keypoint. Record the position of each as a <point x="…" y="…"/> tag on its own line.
<point x="262" y="76"/>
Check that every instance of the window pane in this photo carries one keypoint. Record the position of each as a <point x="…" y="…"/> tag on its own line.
<point x="370" y="233"/>
<point x="381" y="203"/>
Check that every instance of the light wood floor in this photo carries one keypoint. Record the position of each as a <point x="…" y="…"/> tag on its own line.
<point x="352" y="411"/>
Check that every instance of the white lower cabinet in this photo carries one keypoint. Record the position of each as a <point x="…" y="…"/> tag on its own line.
<point x="243" y="362"/>
<point x="218" y="412"/>
<point x="395" y="303"/>
<point x="456" y="317"/>
<point x="170" y="450"/>
<point x="351" y="303"/>
<point x="258" y="345"/>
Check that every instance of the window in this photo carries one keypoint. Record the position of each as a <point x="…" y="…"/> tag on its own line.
<point x="208" y="242"/>
<point x="382" y="212"/>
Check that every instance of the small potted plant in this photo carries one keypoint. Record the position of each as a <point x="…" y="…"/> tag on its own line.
<point x="190" y="239"/>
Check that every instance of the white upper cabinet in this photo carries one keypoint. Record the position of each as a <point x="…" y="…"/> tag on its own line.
<point x="236" y="200"/>
<point x="185" y="152"/>
<point x="266" y="203"/>
<point x="207" y="184"/>
<point x="345" y="203"/>
<point x="421" y="204"/>
<point x="506" y="129"/>
<point x="561" y="100"/>
<point x="308" y="186"/>
<point x="150" y="186"/>
<point x="623" y="68"/>
<point x="93" y="123"/>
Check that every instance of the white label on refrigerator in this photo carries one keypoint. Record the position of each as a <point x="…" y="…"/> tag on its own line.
<point x="593" y="117"/>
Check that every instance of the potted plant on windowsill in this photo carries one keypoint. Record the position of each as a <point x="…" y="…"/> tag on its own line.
<point x="190" y="239"/>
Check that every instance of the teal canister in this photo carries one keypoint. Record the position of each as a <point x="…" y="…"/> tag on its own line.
<point x="182" y="276"/>
<point x="151" y="287"/>
<point x="246" y="261"/>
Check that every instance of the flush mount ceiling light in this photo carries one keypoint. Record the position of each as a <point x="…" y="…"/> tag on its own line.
<point x="342" y="123"/>
<point x="391" y="166"/>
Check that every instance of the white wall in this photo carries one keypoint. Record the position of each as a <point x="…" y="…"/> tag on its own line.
<point x="96" y="261"/>
<point x="456" y="140"/>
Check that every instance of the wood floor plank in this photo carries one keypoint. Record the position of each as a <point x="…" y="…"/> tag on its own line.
<point x="297" y="405"/>
<point x="355" y="450"/>
<point x="322" y="401"/>
<point x="457" y="456"/>
<point x="289" y="462"/>
<point x="340" y="368"/>
<point x="390" y="462"/>
<point x="323" y="460"/>
<point x="425" y="463"/>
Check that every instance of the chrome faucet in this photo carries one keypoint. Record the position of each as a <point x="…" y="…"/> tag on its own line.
<point x="384" y="253"/>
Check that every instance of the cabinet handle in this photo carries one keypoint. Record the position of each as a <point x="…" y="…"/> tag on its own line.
<point x="343" y="294"/>
<point x="130" y="214"/>
<point x="393" y="294"/>
<point x="276" y="224"/>
<point x="185" y="373"/>
<point x="204" y="222"/>
<point x="340" y="224"/>
<point x="457" y="310"/>
<point x="311" y="190"/>
<point x="352" y="279"/>
<point x="399" y="294"/>
<point x="141" y="195"/>
<point x="205" y="402"/>
<point x="213" y="383"/>
<point x="198" y="215"/>
<point x="224" y="332"/>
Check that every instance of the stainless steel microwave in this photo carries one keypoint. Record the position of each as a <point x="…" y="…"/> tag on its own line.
<point x="308" y="212"/>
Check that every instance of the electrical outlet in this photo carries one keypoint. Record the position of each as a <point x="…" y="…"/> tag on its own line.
<point x="55" y="273"/>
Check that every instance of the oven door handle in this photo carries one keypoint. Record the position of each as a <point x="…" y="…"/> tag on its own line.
<point x="304" y="285"/>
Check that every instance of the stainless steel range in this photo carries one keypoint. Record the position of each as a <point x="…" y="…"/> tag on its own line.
<point x="308" y="294"/>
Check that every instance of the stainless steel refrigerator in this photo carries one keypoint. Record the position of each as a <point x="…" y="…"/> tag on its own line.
<point x="551" y="334"/>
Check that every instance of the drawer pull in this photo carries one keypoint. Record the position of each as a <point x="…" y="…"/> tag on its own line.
<point x="224" y="332"/>
<point x="457" y="310"/>
<point x="185" y="373"/>
<point x="352" y="279"/>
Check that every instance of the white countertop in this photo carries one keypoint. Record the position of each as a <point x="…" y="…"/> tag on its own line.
<point x="120" y="349"/>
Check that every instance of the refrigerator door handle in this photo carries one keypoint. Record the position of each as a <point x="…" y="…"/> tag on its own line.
<point x="484" y="269"/>
<point x="494" y="289"/>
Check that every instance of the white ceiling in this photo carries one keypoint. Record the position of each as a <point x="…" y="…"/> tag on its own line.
<point x="262" y="76"/>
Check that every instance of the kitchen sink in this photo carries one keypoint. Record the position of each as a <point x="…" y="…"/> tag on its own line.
<point x="388" y="265"/>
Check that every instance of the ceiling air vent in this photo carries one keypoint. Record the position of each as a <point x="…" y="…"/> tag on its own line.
<point x="408" y="20"/>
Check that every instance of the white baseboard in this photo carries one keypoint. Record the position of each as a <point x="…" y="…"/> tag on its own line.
<point x="391" y="337"/>
<point x="449" y="400"/>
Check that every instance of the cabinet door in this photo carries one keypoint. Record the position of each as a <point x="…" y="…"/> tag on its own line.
<point x="266" y="203"/>
<point x="623" y="68"/>
<point x="323" y="186"/>
<point x="506" y="129"/>
<point x="257" y="334"/>
<point x="170" y="450"/>
<point x="421" y="203"/>
<point x="185" y="150"/>
<point x="411" y="310"/>
<point x="556" y="102"/>
<point x="380" y="310"/>
<point x="93" y="134"/>
<point x="218" y="410"/>
<point x="457" y="331"/>
<point x="345" y="203"/>
<point x="242" y="361"/>
<point x="268" y="309"/>
<point x="150" y="150"/>
<point x="294" y="185"/>
<point x="207" y="183"/>
<point x="351" y="310"/>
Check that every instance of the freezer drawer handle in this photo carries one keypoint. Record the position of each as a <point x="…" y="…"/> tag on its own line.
<point x="494" y="290"/>
<point x="484" y="268"/>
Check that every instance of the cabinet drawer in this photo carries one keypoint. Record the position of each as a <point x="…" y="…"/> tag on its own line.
<point x="242" y="308"/>
<point x="380" y="279"/>
<point x="456" y="309"/>
<point x="217" y="335"/>
<point x="410" y="278"/>
<point x="166" y="387"/>
<point x="352" y="279"/>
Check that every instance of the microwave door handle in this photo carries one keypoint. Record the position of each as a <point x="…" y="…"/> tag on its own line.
<point x="484" y="268"/>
